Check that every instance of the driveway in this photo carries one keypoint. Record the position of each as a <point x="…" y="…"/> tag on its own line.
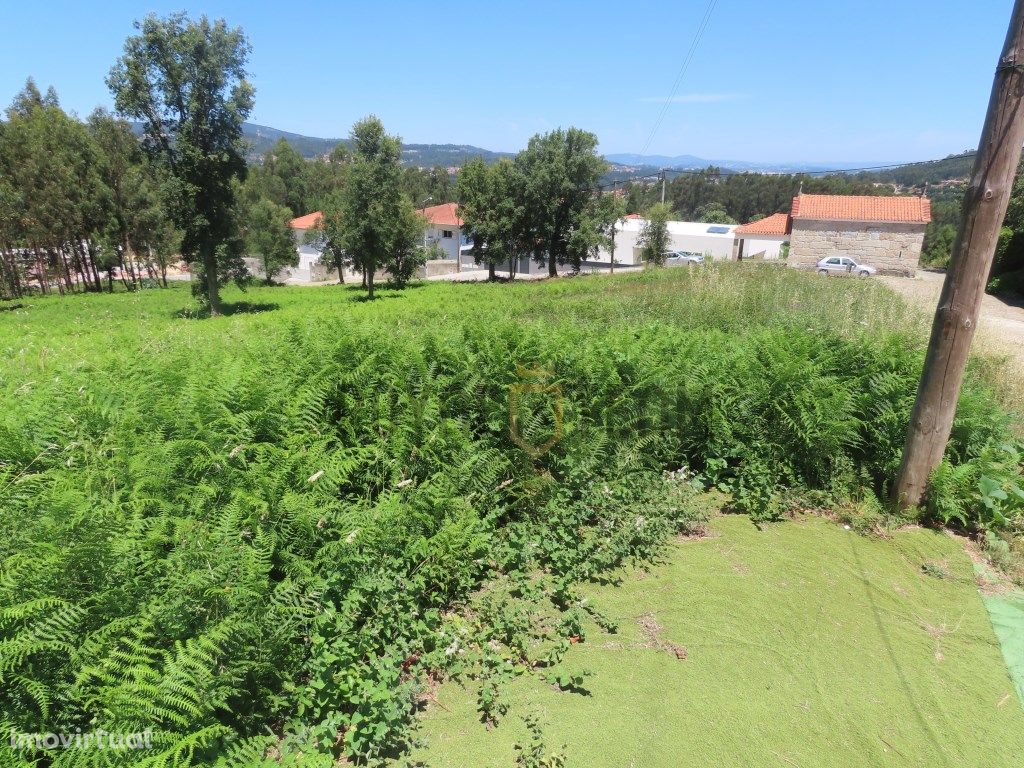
<point x="1000" y="327"/>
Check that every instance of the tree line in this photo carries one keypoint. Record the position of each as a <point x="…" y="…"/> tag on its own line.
<point x="79" y="201"/>
<point x="84" y="202"/>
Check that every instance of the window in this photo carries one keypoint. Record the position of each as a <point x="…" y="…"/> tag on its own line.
<point x="833" y="260"/>
<point x="446" y="233"/>
<point x="718" y="230"/>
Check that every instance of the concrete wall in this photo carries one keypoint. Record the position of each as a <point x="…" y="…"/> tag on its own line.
<point x="762" y="246"/>
<point x="889" y="247"/>
<point x="437" y="267"/>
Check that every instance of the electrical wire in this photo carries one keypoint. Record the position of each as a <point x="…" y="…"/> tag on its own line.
<point x="682" y="71"/>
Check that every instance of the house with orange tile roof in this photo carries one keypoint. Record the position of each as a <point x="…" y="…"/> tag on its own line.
<point x="764" y="238"/>
<point x="309" y="268"/>
<point x="444" y="227"/>
<point x="886" y="232"/>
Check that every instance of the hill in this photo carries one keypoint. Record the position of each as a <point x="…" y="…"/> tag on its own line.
<point x="262" y="138"/>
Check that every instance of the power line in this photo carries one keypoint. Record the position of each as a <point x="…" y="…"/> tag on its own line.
<point x="682" y="71"/>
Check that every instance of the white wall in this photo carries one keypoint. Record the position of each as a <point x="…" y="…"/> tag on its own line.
<point x="450" y="245"/>
<point x="683" y="236"/>
<point x="762" y="246"/>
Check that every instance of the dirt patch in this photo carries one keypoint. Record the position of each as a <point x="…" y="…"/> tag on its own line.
<point x="652" y="631"/>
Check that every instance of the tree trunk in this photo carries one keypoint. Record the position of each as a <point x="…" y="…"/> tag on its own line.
<point x="341" y="273"/>
<point x="956" y="318"/>
<point x="552" y="266"/>
<point x="97" y="278"/>
<point x="210" y="268"/>
<point x="369" y="283"/>
<point x="490" y="271"/>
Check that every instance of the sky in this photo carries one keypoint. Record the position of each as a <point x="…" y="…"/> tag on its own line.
<point x="791" y="81"/>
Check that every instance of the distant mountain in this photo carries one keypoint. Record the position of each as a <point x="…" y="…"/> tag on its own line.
<point x="683" y="162"/>
<point x="263" y="137"/>
<point x="624" y="165"/>
<point x="691" y="162"/>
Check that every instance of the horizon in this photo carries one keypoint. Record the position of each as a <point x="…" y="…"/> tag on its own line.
<point x="830" y="86"/>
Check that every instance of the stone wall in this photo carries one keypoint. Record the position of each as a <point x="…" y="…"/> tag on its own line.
<point x="889" y="247"/>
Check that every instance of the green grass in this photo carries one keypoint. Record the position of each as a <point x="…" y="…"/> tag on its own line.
<point x="806" y="645"/>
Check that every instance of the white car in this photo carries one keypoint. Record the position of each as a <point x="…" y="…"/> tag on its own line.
<point x="844" y="265"/>
<point x="676" y="258"/>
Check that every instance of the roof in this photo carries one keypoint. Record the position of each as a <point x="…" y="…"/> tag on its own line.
<point x="309" y="221"/>
<point x="445" y="214"/>
<point x="776" y="224"/>
<point x="862" y="208"/>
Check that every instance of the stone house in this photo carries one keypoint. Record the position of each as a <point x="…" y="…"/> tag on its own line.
<point x="884" y="232"/>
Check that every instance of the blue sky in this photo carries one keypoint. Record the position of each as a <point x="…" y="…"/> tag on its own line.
<point x="860" y="80"/>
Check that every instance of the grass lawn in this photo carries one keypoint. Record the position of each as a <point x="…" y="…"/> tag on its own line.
<point x="805" y="645"/>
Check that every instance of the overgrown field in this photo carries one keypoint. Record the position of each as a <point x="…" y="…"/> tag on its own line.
<point x="269" y="531"/>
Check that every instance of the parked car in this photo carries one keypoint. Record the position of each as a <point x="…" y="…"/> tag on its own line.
<point x="683" y="258"/>
<point x="840" y="265"/>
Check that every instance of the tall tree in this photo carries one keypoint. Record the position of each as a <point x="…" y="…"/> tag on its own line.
<point x="561" y="170"/>
<point x="374" y="218"/>
<point x="654" y="238"/>
<point x="269" y="237"/>
<point x="491" y="208"/>
<point x="186" y="81"/>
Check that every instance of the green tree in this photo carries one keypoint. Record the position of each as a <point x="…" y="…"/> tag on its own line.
<point x="56" y="199"/>
<point x="284" y="177"/>
<point x="714" y="213"/>
<point x="654" y="238"/>
<point x="269" y="237"/>
<point x="375" y="221"/>
<point x="561" y="171"/>
<point x="490" y="205"/>
<point x="186" y="81"/>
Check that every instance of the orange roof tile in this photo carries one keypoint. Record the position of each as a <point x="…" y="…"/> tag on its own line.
<point x="776" y="224"/>
<point x="308" y="221"/>
<point x="446" y="214"/>
<point x="862" y="208"/>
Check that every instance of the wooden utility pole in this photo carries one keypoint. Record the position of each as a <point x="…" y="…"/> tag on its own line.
<point x="956" y="318"/>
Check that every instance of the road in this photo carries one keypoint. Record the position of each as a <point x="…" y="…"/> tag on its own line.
<point x="1000" y="327"/>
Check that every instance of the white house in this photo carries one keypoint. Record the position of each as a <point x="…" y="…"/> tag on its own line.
<point x="444" y="228"/>
<point x="763" y="239"/>
<point x="714" y="241"/>
<point x="309" y="268"/>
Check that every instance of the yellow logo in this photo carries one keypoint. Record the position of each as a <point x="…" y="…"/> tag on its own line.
<point x="534" y="381"/>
